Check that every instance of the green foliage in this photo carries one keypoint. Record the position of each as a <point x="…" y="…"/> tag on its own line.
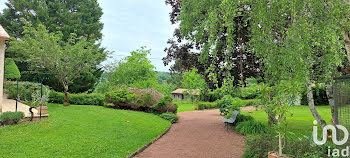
<point x="78" y="99"/>
<point x="103" y="87"/>
<point x="66" y="60"/>
<point x="238" y="102"/>
<point x="240" y="118"/>
<point x="165" y="88"/>
<point x="251" y="91"/>
<point x="25" y="90"/>
<point x="56" y="15"/>
<point x="205" y="105"/>
<point x="11" y="70"/>
<point x="163" y="77"/>
<point x="228" y="103"/>
<point x="120" y="96"/>
<point x="257" y="146"/>
<point x="251" y="102"/>
<point x="319" y="94"/>
<point x="147" y="98"/>
<point x="170" y="117"/>
<point x="85" y="82"/>
<point x="9" y="118"/>
<point x="192" y="80"/>
<point x="135" y="71"/>
<point x="163" y="102"/>
<point x="124" y="99"/>
<point x="251" y="127"/>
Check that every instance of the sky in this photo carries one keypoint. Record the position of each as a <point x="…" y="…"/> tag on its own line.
<point x="130" y="24"/>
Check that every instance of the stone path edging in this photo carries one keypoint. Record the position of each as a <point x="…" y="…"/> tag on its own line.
<point x="149" y="144"/>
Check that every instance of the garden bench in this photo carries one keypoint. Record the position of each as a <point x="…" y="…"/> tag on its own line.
<point x="232" y="119"/>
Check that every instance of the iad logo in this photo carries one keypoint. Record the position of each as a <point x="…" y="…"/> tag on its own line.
<point x="334" y="134"/>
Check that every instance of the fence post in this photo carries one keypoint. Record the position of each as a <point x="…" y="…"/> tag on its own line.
<point x="17" y="96"/>
<point x="41" y="95"/>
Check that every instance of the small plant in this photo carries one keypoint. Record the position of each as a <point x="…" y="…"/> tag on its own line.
<point x="225" y="104"/>
<point x="251" y="127"/>
<point x="9" y="118"/>
<point x="40" y="100"/>
<point x="170" y="117"/>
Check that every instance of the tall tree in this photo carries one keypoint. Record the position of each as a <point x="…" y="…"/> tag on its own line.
<point x="299" y="40"/>
<point x="216" y="45"/>
<point x="65" y="60"/>
<point x="81" y="17"/>
<point x="135" y="71"/>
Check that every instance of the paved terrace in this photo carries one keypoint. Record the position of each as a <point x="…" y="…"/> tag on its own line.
<point x="10" y="105"/>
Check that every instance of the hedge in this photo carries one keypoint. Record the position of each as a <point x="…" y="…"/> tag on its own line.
<point x="205" y="105"/>
<point x="78" y="99"/>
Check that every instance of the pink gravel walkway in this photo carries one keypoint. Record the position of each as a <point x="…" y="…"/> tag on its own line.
<point x="198" y="134"/>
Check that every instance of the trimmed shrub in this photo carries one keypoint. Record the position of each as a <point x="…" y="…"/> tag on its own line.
<point x="120" y="96"/>
<point x="205" y="105"/>
<point x="140" y="100"/>
<point x="11" y="69"/>
<point x="78" y="99"/>
<point x="9" y="118"/>
<point x="251" y="127"/>
<point x="165" y="105"/>
<point x="25" y="90"/>
<point x="170" y="117"/>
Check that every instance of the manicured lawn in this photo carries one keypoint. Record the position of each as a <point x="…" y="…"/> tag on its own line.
<point x="302" y="120"/>
<point x="184" y="106"/>
<point x="81" y="131"/>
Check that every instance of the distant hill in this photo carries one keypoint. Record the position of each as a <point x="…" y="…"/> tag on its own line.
<point x="163" y="76"/>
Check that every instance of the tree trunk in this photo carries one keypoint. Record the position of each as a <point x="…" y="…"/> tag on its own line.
<point x="329" y="91"/>
<point x="280" y="147"/>
<point x="310" y="99"/>
<point x="66" y="100"/>
<point x="347" y="44"/>
<point x="271" y="119"/>
<point x="347" y="37"/>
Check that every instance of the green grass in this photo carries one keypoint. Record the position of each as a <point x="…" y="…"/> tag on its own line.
<point x="81" y="131"/>
<point x="301" y="121"/>
<point x="184" y="106"/>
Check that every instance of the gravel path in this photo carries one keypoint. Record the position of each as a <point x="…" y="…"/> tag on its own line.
<point x="198" y="134"/>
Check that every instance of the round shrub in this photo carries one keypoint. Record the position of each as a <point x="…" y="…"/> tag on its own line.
<point x="170" y="117"/>
<point x="251" y="127"/>
<point x="9" y="118"/>
<point x="11" y="69"/>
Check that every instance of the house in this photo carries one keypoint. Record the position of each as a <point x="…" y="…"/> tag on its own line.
<point x="185" y="93"/>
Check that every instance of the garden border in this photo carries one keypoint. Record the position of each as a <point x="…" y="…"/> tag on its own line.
<point x="149" y="144"/>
